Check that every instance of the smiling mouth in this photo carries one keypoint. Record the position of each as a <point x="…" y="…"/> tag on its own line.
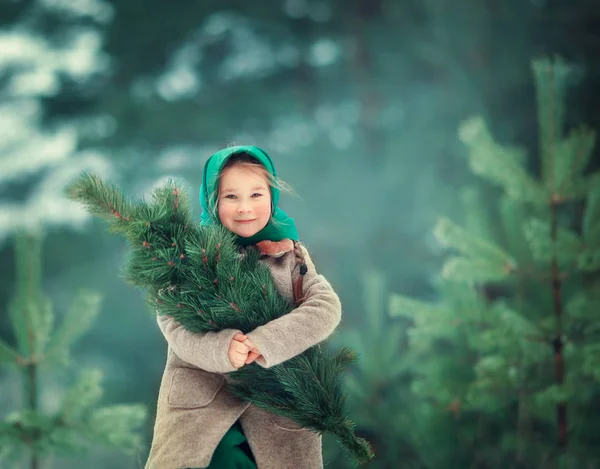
<point x="244" y="221"/>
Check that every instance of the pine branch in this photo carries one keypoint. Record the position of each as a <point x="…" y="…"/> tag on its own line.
<point x="198" y="276"/>
<point x="577" y="150"/>
<point x="482" y="260"/>
<point x="502" y="166"/>
<point x="83" y="311"/>
<point x="100" y="199"/>
<point x="9" y="354"/>
<point x="591" y="218"/>
<point x="31" y="431"/>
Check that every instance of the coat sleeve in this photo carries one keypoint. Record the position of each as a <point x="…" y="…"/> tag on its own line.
<point x="205" y="350"/>
<point x="312" y="322"/>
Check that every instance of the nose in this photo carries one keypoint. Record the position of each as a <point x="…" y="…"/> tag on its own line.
<point x="243" y="207"/>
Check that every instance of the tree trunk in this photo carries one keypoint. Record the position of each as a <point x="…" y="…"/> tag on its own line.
<point x="559" y="364"/>
<point x="32" y="403"/>
<point x="363" y="71"/>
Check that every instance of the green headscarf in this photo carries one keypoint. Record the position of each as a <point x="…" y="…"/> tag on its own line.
<point x="284" y="226"/>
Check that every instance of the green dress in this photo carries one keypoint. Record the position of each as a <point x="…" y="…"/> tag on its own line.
<point x="233" y="451"/>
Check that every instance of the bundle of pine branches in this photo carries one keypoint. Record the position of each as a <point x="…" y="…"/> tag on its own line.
<point x="197" y="275"/>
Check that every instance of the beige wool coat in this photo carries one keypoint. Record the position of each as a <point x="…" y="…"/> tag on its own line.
<point x="194" y="411"/>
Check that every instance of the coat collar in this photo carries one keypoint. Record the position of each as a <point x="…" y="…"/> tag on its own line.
<point x="275" y="248"/>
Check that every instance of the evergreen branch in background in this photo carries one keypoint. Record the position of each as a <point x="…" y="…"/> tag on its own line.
<point x="500" y="165"/>
<point x="31" y="431"/>
<point x="78" y="319"/>
<point x="375" y="383"/>
<point x="591" y="219"/>
<point x="197" y="275"/>
<point x="8" y="354"/>
<point x="565" y="248"/>
<point x="481" y="260"/>
<point x="524" y="349"/>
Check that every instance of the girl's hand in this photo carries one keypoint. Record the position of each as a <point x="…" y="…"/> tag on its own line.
<point x="252" y="356"/>
<point x="254" y="352"/>
<point x="238" y="351"/>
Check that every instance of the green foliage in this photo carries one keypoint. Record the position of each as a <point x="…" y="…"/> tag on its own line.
<point x="30" y="313"/>
<point x="424" y="65"/>
<point x="197" y="275"/>
<point x="591" y="218"/>
<point x="500" y="165"/>
<point x="563" y="158"/>
<point x="78" y="319"/>
<point x="517" y="299"/>
<point x="7" y="353"/>
<point x="373" y="383"/>
<point x="84" y="394"/>
<point x="544" y="249"/>
<point x="81" y="422"/>
<point x="481" y="260"/>
<point x="111" y="425"/>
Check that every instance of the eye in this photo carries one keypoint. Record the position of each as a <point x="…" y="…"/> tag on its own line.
<point x="257" y="194"/>
<point x="229" y="196"/>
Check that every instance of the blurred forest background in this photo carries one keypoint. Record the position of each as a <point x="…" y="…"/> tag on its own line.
<point x="367" y="107"/>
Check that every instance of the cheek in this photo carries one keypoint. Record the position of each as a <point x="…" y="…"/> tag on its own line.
<point x="265" y="208"/>
<point x="223" y="211"/>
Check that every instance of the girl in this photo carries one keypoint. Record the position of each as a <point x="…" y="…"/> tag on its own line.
<point x="198" y="423"/>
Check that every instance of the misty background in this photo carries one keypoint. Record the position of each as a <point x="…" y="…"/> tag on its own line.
<point x="358" y="102"/>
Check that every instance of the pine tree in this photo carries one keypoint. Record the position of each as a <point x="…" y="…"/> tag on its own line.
<point x="42" y="347"/>
<point x="197" y="275"/>
<point x="518" y="317"/>
<point x="377" y="394"/>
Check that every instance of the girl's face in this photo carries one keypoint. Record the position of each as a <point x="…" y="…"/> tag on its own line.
<point x="244" y="200"/>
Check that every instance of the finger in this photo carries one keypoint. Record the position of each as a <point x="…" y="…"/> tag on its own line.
<point x="240" y="337"/>
<point x="249" y="344"/>
<point x="251" y="357"/>
<point x="254" y="359"/>
<point x="241" y="347"/>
